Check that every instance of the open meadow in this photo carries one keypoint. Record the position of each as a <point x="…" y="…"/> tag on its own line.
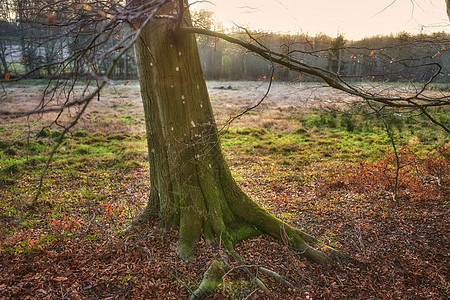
<point x="328" y="173"/>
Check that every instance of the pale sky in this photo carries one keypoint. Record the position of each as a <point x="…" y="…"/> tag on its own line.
<point x="353" y="18"/>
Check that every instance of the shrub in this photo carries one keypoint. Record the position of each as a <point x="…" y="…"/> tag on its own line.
<point x="418" y="180"/>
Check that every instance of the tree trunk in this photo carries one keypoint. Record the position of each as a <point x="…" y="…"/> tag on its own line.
<point x="448" y="8"/>
<point x="3" y="57"/>
<point x="22" y="37"/>
<point x="191" y="185"/>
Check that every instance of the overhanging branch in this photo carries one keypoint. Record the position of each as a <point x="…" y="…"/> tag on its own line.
<point x="333" y="80"/>
<point x="418" y="100"/>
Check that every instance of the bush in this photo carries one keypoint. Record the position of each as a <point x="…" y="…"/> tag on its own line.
<point x="418" y="180"/>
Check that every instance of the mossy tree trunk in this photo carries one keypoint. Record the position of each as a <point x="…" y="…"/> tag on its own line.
<point x="191" y="185"/>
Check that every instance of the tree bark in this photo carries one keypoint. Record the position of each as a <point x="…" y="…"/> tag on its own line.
<point x="447" y="2"/>
<point x="191" y="185"/>
<point x="3" y="57"/>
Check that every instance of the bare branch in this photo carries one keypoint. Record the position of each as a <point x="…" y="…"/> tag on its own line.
<point x="334" y="80"/>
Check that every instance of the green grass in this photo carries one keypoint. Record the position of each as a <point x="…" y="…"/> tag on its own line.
<point x="328" y="144"/>
<point x="90" y="174"/>
<point x="361" y="129"/>
<point x="324" y="139"/>
<point x="85" y="174"/>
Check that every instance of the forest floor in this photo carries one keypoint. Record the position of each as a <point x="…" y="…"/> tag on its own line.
<point x="328" y="173"/>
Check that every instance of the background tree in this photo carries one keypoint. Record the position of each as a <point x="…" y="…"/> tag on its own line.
<point x="335" y="58"/>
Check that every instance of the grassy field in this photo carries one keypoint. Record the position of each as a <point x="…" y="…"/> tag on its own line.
<point x="299" y="155"/>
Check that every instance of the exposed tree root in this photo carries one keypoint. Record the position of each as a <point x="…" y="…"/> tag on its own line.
<point x="211" y="279"/>
<point x="239" y="259"/>
<point x="228" y="214"/>
<point x="277" y="277"/>
<point x="218" y="270"/>
<point x="239" y="220"/>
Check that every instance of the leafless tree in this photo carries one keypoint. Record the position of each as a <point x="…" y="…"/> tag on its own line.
<point x="191" y="185"/>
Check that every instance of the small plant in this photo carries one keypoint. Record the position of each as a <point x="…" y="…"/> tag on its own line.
<point x="380" y="175"/>
<point x="348" y="122"/>
<point x="64" y="223"/>
<point x="438" y="166"/>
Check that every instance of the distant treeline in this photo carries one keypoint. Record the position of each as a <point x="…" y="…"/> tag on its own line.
<point x="402" y="57"/>
<point x="29" y="46"/>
